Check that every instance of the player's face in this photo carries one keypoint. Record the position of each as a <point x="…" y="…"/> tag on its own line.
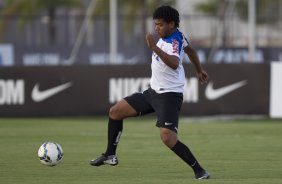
<point x="163" y="29"/>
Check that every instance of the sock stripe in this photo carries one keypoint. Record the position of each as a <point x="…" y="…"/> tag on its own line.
<point x="118" y="137"/>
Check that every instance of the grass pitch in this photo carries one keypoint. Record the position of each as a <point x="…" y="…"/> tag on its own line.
<point x="242" y="151"/>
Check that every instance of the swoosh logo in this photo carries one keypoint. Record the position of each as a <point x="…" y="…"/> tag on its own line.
<point x="167" y="124"/>
<point x="213" y="94"/>
<point x="39" y="96"/>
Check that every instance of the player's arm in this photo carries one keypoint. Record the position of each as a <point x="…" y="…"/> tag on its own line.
<point x="169" y="60"/>
<point x="193" y="56"/>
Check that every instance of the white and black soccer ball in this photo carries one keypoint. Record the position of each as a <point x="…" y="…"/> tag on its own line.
<point x="50" y="153"/>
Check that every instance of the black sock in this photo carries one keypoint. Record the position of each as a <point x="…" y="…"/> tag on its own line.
<point x="114" y="133"/>
<point x="185" y="154"/>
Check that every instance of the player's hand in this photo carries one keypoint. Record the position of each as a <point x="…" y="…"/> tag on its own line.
<point x="203" y="77"/>
<point x="150" y="41"/>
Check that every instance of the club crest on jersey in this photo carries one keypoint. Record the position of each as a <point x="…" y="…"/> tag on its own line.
<point x="175" y="46"/>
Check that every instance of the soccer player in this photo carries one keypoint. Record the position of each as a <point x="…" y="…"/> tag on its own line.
<point x="165" y="94"/>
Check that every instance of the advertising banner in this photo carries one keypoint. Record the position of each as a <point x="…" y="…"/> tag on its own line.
<point x="91" y="90"/>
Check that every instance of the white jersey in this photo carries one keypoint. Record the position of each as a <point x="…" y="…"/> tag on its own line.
<point x="165" y="79"/>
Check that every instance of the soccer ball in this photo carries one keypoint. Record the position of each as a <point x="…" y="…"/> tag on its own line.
<point x="50" y="153"/>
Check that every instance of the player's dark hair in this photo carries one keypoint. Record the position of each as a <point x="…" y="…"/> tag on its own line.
<point x="168" y="14"/>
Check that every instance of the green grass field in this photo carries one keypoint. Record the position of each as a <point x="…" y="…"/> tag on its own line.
<point x="238" y="151"/>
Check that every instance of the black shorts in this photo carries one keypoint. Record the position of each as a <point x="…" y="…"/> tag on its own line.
<point x="166" y="105"/>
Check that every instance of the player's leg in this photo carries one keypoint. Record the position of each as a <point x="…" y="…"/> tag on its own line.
<point x="130" y="106"/>
<point x="169" y="138"/>
<point x="117" y="113"/>
<point x="167" y="109"/>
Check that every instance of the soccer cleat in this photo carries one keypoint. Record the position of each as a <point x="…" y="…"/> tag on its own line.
<point x="103" y="159"/>
<point x="202" y="175"/>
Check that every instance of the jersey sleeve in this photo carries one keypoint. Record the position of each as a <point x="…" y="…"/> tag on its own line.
<point x="185" y="41"/>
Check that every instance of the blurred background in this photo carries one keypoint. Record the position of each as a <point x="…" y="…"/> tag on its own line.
<point x="41" y="32"/>
<point x="68" y="61"/>
<point x="56" y="41"/>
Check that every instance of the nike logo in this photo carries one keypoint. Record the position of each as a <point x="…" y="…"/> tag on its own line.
<point x="39" y="96"/>
<point x="167" y="124"/>
<point x="213" y="94"/>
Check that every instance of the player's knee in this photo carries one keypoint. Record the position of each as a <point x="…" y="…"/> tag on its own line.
<point x="168" y="141"/>
<point x="168" y="138"/>
<point x="114" y="113"/>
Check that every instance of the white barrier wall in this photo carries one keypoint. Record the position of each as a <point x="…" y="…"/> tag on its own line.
<point x="276" y="90"/>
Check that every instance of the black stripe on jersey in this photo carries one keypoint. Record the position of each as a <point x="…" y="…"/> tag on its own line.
<point x="185" y="39"/>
